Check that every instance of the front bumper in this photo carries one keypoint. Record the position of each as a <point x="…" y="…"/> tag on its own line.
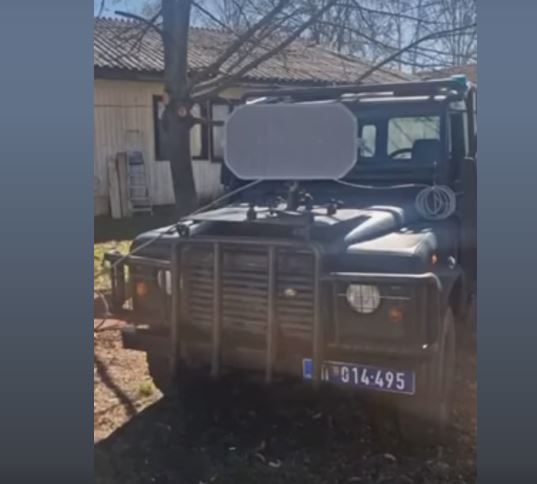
<point x="142" y="338"/>
<point x="173" y="342"/>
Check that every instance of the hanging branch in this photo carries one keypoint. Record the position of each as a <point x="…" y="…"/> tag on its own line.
<point x="241" y="39"/>
<point x="209" y="88"/>
<point x="247" y="51"/>
<point x="390" y="58"/>
<point x="208" y="14"/>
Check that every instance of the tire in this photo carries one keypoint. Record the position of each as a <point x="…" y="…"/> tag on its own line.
<point x="160" y="371"/>
<point x="424" y="418"/>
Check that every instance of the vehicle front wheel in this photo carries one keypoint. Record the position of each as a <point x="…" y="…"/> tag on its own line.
<point x="424" y="418"/>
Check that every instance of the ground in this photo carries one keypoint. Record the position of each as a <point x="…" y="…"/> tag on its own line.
<point x="226" y="432"/>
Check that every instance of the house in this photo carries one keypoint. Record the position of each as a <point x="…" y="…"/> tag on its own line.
<point x="469" y="70"/>
<point x="128" y="99"/>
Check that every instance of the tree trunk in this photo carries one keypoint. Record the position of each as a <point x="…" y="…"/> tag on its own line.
<point x="176" y="21"/>
<point x="181" y="165"/>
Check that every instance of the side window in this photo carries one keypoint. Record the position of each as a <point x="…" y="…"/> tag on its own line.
<point x="405" y="131"/>
<point x="219" y="112"/>
<point x="368" y="141"/>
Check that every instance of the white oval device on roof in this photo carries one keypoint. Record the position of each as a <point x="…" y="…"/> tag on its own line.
<point x="291" y="141"/>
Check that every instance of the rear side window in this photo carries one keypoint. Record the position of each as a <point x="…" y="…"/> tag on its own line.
<point x="368" y="141"/>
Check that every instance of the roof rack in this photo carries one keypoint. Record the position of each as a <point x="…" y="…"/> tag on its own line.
<point x="453" y="87"/>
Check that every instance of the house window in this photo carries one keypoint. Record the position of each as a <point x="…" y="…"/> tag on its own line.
<point x="219" y="112"/>
<point x="206" y="141"/>
<point x="198" y="133"/>
<point x="160" y="133"/>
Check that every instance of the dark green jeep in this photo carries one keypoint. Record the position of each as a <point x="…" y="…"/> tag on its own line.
<point x="344" y="251"/>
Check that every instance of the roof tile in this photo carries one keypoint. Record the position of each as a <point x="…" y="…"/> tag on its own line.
<point x="118" y="44"/>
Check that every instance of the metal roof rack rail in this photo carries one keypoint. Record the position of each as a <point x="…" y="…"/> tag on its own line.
<point x="454" y="86"/>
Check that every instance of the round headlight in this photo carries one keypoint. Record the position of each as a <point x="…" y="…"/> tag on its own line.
<point x="363" y="298"/>
<point x="164" y="280"/>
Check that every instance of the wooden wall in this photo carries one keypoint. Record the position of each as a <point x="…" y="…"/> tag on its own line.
<point x="123" y="120"/>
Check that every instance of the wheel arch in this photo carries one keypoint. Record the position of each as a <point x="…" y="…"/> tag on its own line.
<point x="456" y="296"/>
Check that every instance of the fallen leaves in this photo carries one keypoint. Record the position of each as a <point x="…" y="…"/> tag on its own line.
<point x="236" y="434"/>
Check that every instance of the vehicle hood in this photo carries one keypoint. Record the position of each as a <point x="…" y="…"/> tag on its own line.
<point x="364" y="235"/>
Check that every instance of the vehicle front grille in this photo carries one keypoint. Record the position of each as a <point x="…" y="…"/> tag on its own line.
<point x="245" y="288"/>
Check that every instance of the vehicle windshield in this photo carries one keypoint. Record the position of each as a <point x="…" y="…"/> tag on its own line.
<point x="398" y="141"/>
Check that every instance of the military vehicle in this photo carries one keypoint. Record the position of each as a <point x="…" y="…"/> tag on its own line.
<point x="343" y="251"/>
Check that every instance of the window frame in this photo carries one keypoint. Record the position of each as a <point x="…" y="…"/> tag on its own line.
<point x="231" y="104"/>
<point x="156" y="100"/>
<point x="204" y="153"/>
<point x="390" y="120"/>
<point x="471" y="103"/>
<point x="375" y="140"/>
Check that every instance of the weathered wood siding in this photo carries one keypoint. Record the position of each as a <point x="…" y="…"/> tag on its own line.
<point x="123" y="120"/>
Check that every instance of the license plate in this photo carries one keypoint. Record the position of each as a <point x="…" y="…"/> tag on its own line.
<point x="362" y="376"/>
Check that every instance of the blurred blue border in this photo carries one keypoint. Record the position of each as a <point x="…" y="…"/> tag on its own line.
<point x="46" y="226"/>
<point x="45" y="257"/>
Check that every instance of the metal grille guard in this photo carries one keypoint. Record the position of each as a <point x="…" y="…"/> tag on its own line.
<point x="175" y="267"/>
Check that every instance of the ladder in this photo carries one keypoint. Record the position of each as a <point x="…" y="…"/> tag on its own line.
<point x="137" y="190"/>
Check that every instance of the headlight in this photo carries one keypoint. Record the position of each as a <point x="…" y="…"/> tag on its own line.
<point x="164" y="280"/>
<point x="362" y="298"/>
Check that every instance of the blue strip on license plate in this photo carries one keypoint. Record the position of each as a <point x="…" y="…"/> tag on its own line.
<point x="382" y="379"/>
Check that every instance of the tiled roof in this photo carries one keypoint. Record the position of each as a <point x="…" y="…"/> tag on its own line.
<point x="469" y="70"/>
<point x="117" y="45"/>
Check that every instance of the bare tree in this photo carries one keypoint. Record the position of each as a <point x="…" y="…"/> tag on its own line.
<point x="453" y="13"/>
<point x="265" y="30"/>
<point x="402" y="33"/>
<point x="413" y="44"/>
<point x="375" y="29"/>
<point x="176" y="25"/>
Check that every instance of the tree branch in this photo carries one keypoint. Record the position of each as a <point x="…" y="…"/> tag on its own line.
<point x="212" y="87"/>
<point x="393" y="14"/>
<point x="150" y="24"/>
<point x="247" y="50"/>
<point x="390" y="58"/>
<point x="373" y="41"/>
<point x="206" y="12"/>
<point x="241" y="39"/>
<point x="101" y="8"/>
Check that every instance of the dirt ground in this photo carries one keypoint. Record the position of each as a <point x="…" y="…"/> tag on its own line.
<point x="229" y="433"/>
